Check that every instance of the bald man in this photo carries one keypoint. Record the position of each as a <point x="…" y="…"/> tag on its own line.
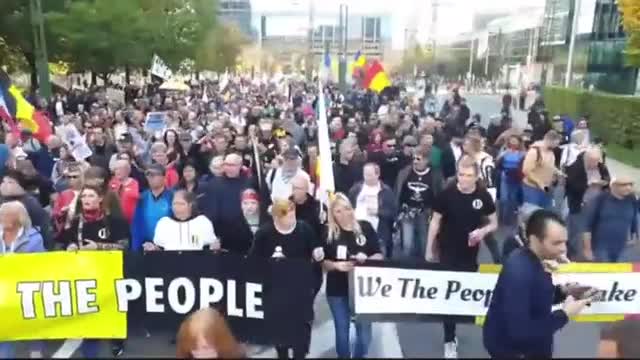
<point x="609" y="219"/>
<point x="307" y="207"/>
<point x="220" y="201"/>
<point x="310" y="211"/>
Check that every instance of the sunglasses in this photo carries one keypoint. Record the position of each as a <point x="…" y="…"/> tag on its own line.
<point x="72" y="176"/>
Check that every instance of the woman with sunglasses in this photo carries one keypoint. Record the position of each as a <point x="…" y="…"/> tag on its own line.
<point x="349" y="241"/>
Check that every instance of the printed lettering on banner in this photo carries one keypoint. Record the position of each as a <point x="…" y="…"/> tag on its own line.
<point x="57" y="302"/>
<point x="396" y="291"/>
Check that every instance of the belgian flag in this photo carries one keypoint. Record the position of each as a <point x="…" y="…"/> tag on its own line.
<point x="13" y="106"/>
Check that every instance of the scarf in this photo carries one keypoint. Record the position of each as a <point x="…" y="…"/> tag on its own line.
<point x="92" y="215"/>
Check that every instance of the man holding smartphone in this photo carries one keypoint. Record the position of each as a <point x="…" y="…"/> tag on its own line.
<point x="520" y="323"/>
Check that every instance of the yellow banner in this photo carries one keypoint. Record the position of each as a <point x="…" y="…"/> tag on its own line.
<point x="62" y="295"/>
<point x="574" y="268"/>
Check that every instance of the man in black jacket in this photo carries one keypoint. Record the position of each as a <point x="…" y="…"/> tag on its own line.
<point x="311" y="212"/>
<point x="586" y="178"/>
<point x="520" y="323"/>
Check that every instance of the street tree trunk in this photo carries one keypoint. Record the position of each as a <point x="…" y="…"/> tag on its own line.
<point x="127" y="74"/>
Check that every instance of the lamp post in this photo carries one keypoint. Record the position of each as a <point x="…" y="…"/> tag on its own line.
<point x="40" y="48"/>
<point x="572" y="43"/>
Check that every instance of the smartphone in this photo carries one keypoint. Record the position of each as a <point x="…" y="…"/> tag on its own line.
<point x="581" y="291"/>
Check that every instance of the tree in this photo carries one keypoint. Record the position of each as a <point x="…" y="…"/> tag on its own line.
<point x="104" y="35"/>
<point x="630" y="10"/>
<point x="220" y="49"/>
<point x="17" y="33"/>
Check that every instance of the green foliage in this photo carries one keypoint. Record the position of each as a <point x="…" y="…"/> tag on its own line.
<point x="614" y="118"/>
<point x="105" y="35"/>
<point x="630" y="10"/>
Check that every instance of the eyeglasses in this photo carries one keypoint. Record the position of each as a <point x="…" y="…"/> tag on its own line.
<point x="624" y="184"/>
<point x="72" y="177"/>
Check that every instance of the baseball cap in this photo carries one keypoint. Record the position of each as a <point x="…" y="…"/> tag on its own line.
<point x="155" y="169"/>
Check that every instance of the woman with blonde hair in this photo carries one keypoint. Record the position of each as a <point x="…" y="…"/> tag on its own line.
<point x="285" y="237"/>
<point x="205" y="335"/>
<point x="17" y="235"/>
<point x="349" y="241"/>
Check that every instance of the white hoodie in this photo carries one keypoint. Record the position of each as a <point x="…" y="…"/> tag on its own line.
<point x="192" y="234"/>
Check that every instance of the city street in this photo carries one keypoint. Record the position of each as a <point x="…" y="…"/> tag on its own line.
<point x="390" y="340"/>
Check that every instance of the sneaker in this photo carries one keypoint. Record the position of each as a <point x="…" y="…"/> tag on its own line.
<point x="117" y="350"/>
<point x="451" y="349"/>
<point x="36" y="354"/>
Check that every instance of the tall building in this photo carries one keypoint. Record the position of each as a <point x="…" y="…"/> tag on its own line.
<point x="238" y="13"/>
<point x="598" y="59"/>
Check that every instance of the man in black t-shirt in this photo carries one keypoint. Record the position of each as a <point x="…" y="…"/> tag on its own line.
<point x="458" y="225"/>
<point x="415" y="189"/>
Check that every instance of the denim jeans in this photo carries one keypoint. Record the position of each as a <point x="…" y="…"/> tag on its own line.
<point x="510" y="195"/>
<point x="536" y="197"/>
<point x="575" y="227"/>
<point x="341" y="312"/>
<point x="8" y="348"/>
<point x="608" y="253"/>
<point x="414" y="235"/>
<point x="90" y="348"/>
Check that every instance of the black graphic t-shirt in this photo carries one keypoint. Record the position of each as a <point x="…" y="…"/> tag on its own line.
<point x="109" y="229"/>
<point x="417" y="192"/>
<point x="298" y="244"/>
<point x="342" y="248"/>
<point x="461" y="214"/>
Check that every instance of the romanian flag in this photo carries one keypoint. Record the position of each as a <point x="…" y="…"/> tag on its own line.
<point x="14" y="106"/>
<point x="375" y="78"/>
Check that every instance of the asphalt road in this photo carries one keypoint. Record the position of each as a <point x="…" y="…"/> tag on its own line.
<point x="390" y="340"/>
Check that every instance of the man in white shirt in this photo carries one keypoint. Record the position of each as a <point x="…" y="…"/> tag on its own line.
<point x="279" y="179"/>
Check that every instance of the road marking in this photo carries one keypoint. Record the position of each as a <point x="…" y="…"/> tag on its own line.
<point x="385" y="342"/>
<point x="67" y="349"/>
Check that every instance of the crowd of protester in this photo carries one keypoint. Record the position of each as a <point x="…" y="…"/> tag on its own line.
<point x="235" y="169"/>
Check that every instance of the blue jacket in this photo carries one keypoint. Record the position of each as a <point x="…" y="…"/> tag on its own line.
<point x="30" y="241"/>
<point x="387" y="209"/>
<point x="520" y="321"/>
<point x="148" y="212"/>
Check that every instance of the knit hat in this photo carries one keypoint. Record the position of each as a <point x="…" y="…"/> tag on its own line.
<point x="250" y="195"/>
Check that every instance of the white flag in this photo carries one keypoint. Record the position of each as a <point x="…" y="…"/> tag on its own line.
<point x="160" y="69"/>
<point x="326" y="184"/>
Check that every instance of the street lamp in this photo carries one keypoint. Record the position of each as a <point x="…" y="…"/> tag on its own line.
<point x="40" y="48"/>
<point x="572" y="43"/>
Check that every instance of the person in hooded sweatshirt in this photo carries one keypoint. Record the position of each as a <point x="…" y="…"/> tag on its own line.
<point x="18" y="236"/>
<point x="185" y="229"/>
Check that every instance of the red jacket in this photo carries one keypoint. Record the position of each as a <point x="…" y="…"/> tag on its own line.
<point x="128" y="193"/>
<point x="171" y="177"/>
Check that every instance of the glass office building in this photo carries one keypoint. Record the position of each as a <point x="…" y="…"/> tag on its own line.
<point x="598" y="59"/>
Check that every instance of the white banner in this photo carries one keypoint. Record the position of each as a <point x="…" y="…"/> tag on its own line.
<point x="158" y="68"/>
<point x="395" y="291"/>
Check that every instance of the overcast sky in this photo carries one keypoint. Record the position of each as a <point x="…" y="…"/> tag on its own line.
<point x="454" y="16"/>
